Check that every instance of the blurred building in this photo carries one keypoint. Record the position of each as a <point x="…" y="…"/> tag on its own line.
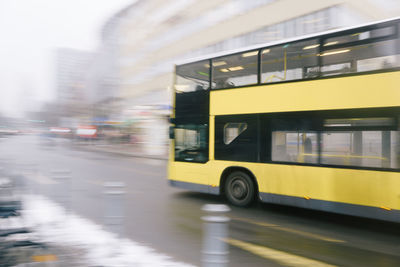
<point x="73" y="95"/>
<point x="103" y="77"/>
<point x="154" y="34"/>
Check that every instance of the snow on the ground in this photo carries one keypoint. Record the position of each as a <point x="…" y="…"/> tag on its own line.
<point x="53" y="225"/>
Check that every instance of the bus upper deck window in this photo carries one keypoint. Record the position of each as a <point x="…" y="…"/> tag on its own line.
<point x="235" y="70"/>
<point x="360" y="51"/>
<point x="193" y="77"/>
<point x="289" y="61"/>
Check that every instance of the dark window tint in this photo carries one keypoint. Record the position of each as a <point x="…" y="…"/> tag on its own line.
<point x="360" y="122"/>
<point x="236" y="70"/>
<point x="236" y="138"/>
<point x="192" y="107"/>
<point x="193" y="77"/>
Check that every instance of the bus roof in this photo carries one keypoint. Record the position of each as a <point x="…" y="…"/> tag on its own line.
<point x="283" y="41"/>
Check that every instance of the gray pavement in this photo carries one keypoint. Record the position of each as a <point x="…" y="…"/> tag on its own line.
<point x="129" y="150"/>
<point x="169" y="220"/>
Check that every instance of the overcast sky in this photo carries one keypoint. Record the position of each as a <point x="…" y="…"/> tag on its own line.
<point x="30" y="31"/>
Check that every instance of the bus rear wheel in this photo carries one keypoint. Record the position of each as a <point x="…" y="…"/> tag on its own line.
<point x="239" y="189"/>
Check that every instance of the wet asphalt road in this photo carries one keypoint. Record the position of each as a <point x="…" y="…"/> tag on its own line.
<point x="169" y="219"/>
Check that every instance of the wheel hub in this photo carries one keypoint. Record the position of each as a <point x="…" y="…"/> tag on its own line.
<point x="239" y="189"/>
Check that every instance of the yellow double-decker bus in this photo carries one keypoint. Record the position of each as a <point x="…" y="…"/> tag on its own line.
<point x="310" y="122"/>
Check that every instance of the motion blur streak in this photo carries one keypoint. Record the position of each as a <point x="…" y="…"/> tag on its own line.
<point x="293" y="231"/>
<point x="52" y="224"/>
<point x="281" y="257"/>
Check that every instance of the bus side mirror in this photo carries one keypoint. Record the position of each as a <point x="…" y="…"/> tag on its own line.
<point x="171" y="132"/>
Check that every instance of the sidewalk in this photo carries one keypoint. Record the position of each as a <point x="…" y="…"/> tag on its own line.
<point x="129" y="150"/>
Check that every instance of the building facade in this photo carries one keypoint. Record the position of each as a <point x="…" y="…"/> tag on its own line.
<point x="72" y="93"/>
<point x="156" y="34"/>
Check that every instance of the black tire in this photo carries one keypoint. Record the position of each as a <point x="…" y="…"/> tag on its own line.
<point x="239" y="189"/>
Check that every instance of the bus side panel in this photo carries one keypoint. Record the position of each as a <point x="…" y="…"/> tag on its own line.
<point x="193" y="176"/>
<point x="373" y="194"/>
<point x="359" y="187"/>
<point x="188" y="172"/>
<point x="374" y="90"/>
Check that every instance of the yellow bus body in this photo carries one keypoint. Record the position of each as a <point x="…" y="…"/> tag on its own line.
<point x="361" y="91"/>
<point x="359" y="187"/>
<point x="371" y="188"/>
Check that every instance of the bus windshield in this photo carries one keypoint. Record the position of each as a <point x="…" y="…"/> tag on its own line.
<point x="190" y="142"/>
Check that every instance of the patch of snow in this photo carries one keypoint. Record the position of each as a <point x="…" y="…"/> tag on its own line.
<point x="53" y="225"/>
